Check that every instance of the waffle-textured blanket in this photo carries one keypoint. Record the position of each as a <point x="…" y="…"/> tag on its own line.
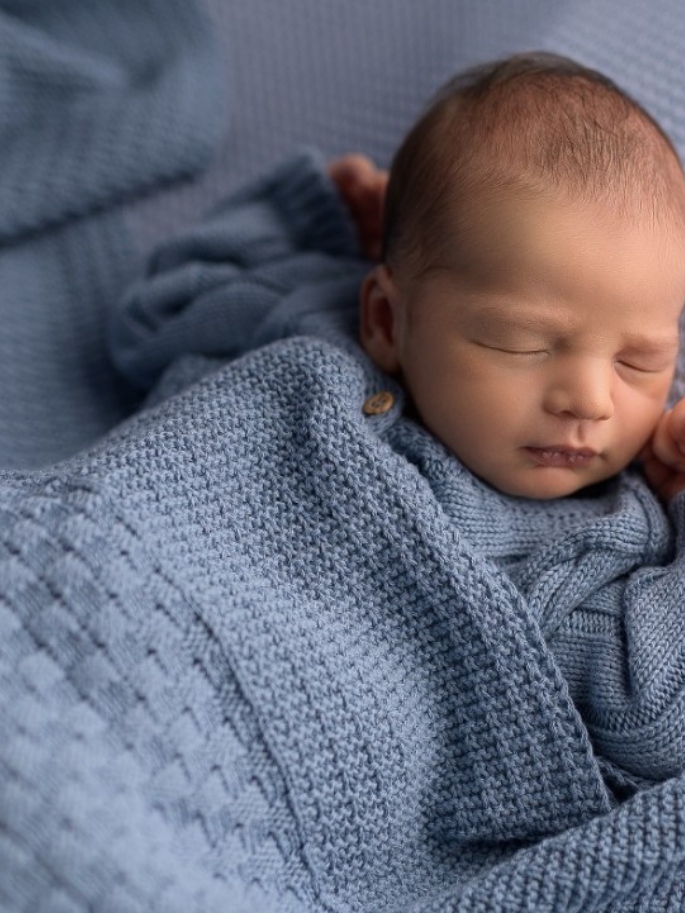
<point x="263" y="651"/>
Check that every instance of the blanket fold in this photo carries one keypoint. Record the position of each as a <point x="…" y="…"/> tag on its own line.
<point x="100" y="105"/>
<point x="246" y="617"/>
<point x="262" y="651"/>
<point x="100" y="102"/>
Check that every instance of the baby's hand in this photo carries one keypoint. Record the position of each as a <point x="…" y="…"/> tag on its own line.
<point x="362" y="185"/>
<point x="664" y="455"/>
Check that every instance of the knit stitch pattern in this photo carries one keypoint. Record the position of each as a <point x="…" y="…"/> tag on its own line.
<point x="100" y="103"/>
<point x="245" y="649"/>
<point x="258" y="651"/>
<point x="263" y="651"/>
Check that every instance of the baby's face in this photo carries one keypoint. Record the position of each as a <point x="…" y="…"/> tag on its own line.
<point x="545" y="362"/>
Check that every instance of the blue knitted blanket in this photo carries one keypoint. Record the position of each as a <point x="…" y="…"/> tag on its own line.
<point x="250" y="662"/>
<point x="261" y="651"/>
<point x="100" y="102"/>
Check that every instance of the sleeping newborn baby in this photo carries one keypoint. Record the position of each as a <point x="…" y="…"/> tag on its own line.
<point x="532" y="277"/>
<point x="519" y="335"/>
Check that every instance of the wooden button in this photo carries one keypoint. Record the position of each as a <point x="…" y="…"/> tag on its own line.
<point x="379" y="403"/>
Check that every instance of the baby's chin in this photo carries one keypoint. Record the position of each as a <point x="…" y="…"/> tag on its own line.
<point x="547" y="484"/>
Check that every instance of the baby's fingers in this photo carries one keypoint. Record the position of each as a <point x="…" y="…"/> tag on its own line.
<point x="362" y="185"/>
<point x="668" y="442"/>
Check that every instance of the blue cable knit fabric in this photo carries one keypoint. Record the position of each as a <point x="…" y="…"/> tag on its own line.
<point x="261" y="651"/>
<point x="100" y="103"/>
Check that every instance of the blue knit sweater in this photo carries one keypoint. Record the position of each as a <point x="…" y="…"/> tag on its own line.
<point x="263" y="651"/>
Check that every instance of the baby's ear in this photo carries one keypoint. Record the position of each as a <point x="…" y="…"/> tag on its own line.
<point x="379" y="317"/>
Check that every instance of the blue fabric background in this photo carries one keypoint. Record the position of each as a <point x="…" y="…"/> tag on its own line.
<point x="105" y="116"/>
<point x="147" y="761"/>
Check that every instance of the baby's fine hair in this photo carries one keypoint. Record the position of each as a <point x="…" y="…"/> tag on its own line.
<point x="536" y="122"/>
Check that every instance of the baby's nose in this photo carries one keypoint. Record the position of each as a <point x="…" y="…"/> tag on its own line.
<point x="583" y="392"/>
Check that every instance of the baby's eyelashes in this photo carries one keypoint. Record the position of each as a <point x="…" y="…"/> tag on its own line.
<point x="643" y="368"/>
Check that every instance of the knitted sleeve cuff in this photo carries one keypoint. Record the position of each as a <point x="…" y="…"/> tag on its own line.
<point x="311" y="206"/>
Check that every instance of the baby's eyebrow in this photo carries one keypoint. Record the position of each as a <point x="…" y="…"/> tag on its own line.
<point x="530" y="317"/>
<point x="666" y="345"/>
<point x="522" y="318"/>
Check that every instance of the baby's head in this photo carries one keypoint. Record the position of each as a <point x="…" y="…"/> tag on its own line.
<point x="533" y="274"/>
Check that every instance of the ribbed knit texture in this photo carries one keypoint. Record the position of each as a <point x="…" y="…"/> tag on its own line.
<point x="261" y="651"/>
<point x="224" y="286"/>
<point x="246" y="646"/>
<point x="100" y="102"/>
<point x="258" y="651"/>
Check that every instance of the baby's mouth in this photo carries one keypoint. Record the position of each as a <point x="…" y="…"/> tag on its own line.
<point x="561" y="456"/>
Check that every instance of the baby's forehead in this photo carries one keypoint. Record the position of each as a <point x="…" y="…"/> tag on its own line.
<point x="503" y="213"/>
<point x="548" y="247"/>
